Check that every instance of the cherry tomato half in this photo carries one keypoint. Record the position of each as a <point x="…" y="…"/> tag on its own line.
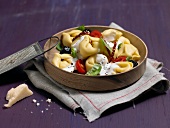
<point x="96" y="33"/>
<point x="80" y="66"/>
<point x="120" y="58"/>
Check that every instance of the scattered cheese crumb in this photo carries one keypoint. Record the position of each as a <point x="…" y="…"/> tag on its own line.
<point x="61" y="108"/>
<point x="42" y="111"/>
<point x="31" y="112"/>
<point x="16" y="94"/>
<point x="46" y="108"/>
<point x="48" y="100"/>
<point x="34" y="100"/>
<point x="38" y="104"/>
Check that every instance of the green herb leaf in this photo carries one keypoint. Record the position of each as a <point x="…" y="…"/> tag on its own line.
<point x="73" y="52"/>
<point x="107" y="46"/>
<point x="59" y="46"/>
<point x="119" y="46"/>
<point x="82" y="28"/>
<point x="95" y="70"/>
<point x="128" y="58"/>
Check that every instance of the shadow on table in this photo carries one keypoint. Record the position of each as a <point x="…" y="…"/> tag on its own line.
<point x="143" y="97"/>
<point x="15" y="75"/>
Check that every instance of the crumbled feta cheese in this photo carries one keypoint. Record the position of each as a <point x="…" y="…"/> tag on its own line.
<point x="48" y="100"/>
<point x="34" y="100"/>
<point x="38" y="104"/>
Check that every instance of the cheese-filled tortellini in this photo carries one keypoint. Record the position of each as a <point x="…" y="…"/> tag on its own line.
<point x="123" y="67"/>
<point x="67" y="38"/>
<point x="62" y="60"/>
<point x="86" y="46"/>
<point x="111" y="34"/>
<point x="90" y="62"/>
<point x="125" y="48"/>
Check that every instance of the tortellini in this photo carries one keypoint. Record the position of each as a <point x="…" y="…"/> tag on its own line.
<point x="62" y="60"/>
<point x="68" y="37"/>
<point x="111" y="34"/>
<point x="123" y="67"/>
<point x="90" y="62"/>
<point x="125" y="48"/>
<point x="86" y="46"/>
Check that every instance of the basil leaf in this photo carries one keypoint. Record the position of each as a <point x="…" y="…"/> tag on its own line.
<point x="73" y="52"/>
<point x="59" y="46"/>
<point x="106" y="45"/>
<point x="128" y="58"/>
<point x="82" y="28"/>
<point x="119" y="46"/>
<point x="95" y="70"/>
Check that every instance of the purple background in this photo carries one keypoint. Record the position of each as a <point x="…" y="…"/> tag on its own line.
<point x="23" y="22"/>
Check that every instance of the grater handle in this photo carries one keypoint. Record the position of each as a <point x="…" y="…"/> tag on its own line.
<point x="20" y="57"/>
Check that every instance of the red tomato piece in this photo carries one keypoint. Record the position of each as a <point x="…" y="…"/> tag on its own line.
<point x="120" y="58"/>
<point x="96" y="33"/>
<point x="80" y="66"/>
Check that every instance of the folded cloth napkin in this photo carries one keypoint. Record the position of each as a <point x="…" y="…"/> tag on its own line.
<point x="95" y="103"/>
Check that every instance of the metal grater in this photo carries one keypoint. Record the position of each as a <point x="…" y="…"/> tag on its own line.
<point x="22" y="56"/>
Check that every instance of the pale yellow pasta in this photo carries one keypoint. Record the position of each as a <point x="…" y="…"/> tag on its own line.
<point x="62" y="60"/>
<point x="68" y="37"/>
<point x="126" y="49"/>
<point x="111" y="34"/>
<point x="90" y="62"/>
<point x="124" y="40"/>
<point x="74" y="33"/>
<point x="123" y="67"/>
<point x="88" y="47"/>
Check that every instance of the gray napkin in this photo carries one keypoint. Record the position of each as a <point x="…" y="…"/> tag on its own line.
<point x="95" y="103"/>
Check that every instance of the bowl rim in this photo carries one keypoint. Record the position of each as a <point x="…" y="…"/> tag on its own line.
<point x="101" y="26"/>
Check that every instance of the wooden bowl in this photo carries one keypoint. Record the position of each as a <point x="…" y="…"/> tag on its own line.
<point x="97" y="83"/>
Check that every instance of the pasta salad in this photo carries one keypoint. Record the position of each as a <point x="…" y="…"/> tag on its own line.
<point x="93" y="53"/>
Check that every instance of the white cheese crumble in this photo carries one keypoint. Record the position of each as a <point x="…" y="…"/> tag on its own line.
<point x="72" y="66"/>
<point x="101" y="59"/>
<point x="34" y="100"/>
<point x="107" y="68"/>
<point x="38" y="104"/>
<point x="76" y="45"/>
<point x="111" y="45"/>
<point x="48" y="100"/>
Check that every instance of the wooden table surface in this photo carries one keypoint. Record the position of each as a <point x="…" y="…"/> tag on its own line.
<point x="23" y="22"/>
